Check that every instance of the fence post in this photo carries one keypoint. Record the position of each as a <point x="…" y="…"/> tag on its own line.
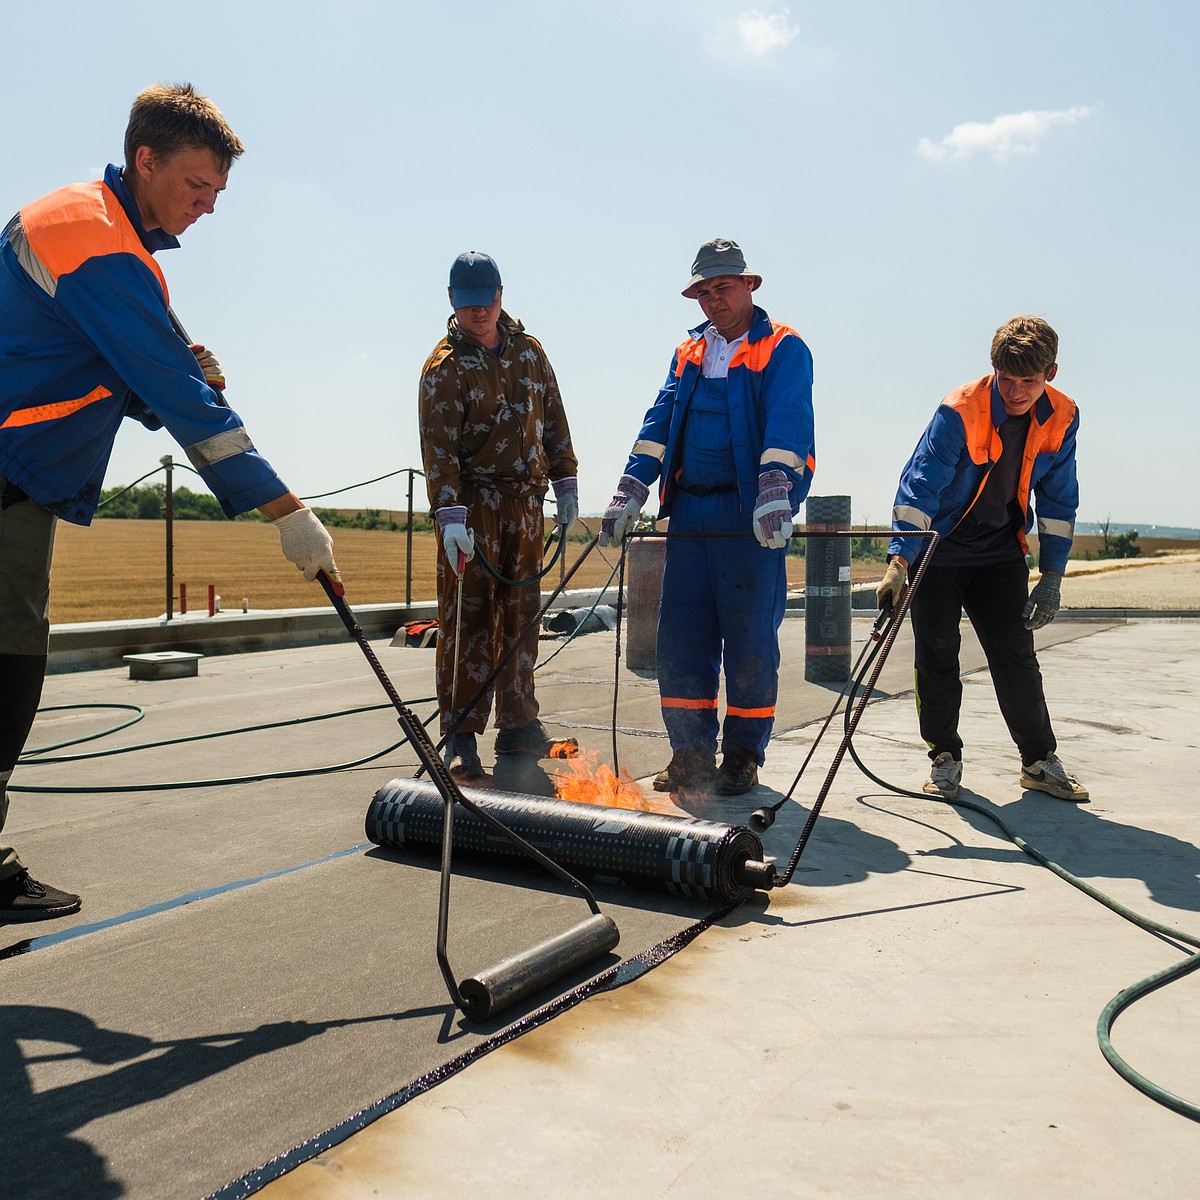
<point x="169" y="513"/>
<point x="408" y="546"/>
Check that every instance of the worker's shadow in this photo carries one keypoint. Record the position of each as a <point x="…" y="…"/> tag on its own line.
<point x="836" y="852"/>
<point x="51" y="1088"/>
<point x="1089" y="845"/>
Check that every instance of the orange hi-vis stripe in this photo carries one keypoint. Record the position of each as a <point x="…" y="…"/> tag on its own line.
<point x="973" y="403"/>
<point x="63" y="230"/>
<point x="51" y="412"/>
<point x="752" y="355"/>
<point x="691" y="351"/>
<point x="731" y="710"/>
<point x="756" y="355"/>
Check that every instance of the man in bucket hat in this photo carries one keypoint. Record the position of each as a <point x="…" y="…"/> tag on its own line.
<point x="730" y="439"/>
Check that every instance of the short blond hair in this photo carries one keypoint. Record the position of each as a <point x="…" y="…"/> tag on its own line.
<point x="1024" y="346"/>
<point x="173" y="116"/>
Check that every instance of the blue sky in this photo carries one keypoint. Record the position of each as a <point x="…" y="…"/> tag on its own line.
<point x="904" y="177"/>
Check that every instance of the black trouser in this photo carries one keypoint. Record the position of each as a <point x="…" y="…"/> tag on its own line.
<point x="26" y="546"/>
<point x="993" y="598"/>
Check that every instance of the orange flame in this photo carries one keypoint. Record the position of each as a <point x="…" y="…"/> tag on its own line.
<point x="586" y="780"/>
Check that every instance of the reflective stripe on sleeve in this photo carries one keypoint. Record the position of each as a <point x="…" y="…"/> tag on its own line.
<point x="653" y="449"/>
<point x="214" y="449"/>
<point x="912" y="516"/>
<point x="787" y="457"/>
<point x="1052" y="528"/>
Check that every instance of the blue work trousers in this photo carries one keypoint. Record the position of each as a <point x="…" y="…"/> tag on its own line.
<point x="722" y="598"/>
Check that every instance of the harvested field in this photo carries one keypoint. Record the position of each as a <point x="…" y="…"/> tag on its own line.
<point x="115" y="570"/>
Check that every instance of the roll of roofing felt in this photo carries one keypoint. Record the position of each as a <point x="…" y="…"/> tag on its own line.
<point x="699" y="859"/>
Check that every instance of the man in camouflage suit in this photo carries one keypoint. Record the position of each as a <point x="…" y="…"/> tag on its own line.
<point x="494" y="438"/>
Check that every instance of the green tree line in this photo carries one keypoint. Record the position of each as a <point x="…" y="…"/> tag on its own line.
<point x="148" y="503"/>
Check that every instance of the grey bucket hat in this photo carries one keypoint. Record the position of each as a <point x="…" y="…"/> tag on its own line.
<point x="718" y="257"/>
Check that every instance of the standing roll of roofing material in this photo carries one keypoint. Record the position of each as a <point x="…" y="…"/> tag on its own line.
<point x="699" y="859"/>
<point x="827" y="591"/>
<point x="643" y="587"/>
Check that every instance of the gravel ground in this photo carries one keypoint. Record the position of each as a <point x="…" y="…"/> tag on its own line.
<point x="1159" y="583"/>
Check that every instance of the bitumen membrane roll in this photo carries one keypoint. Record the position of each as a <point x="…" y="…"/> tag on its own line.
<point x="688" y="857"/>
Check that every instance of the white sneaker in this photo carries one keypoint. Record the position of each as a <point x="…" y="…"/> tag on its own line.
<point x="944" y="776"/>
<point x="1049" y="775"/>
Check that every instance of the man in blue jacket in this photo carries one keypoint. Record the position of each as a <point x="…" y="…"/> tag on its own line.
<point x="730" y="438"/>
<point x="86" y="340"/>
<point x="993" y="446"/>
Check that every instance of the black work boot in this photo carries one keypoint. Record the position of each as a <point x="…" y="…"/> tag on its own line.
<point x="462" y="756"/>
<point x="738" y="772"/>
<point x="22" y="898"/>
<point x="530" y="738"/>
<point x="688" y="771"/>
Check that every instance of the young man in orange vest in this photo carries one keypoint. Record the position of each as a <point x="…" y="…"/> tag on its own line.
<point x="994" y="446"/>
<point x="88" y="341"/>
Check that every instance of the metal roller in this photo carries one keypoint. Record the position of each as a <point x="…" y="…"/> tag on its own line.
<point x="699" y="859"/>
<point x="520" y="974"/>
<point x="524" y="973"/>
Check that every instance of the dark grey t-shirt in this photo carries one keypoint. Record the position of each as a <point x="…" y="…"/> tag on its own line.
<point x="988" y="533"/>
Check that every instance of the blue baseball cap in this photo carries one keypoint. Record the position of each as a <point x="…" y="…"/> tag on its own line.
<point x="474" y="278"/>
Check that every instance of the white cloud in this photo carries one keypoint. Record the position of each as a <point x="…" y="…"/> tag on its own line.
<point x="759" y="33"/>
<point x="1015" y="133"/>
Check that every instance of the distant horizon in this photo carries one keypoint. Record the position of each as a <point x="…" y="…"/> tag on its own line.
<point x="902" y="181"/>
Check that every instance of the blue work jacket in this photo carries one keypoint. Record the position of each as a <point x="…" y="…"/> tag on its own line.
<point x="947" y="471"/>
<point x="770" y="413"/>
<point x="85" y="340"/>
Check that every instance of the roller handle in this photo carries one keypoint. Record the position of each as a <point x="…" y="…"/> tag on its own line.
<point x="177" y="325"/>
<point x="451" y="794"/>
<point x="886" y="612"/>
<point x="754" y="874"/>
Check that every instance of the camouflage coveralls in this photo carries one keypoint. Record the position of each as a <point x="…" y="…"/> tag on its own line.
<point x="493" y="436"/>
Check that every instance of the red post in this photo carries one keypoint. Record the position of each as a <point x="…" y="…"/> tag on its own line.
<point x="212" y="599"/>
<point x="182" y="599"/>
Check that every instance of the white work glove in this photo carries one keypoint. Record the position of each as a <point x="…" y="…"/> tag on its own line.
<point x="773" y="511"/>
<point x="891" y="587"/>
<point x="566" y="495"/>
<point x="623" y="510"/>
<point x="456" y="537"/>
<point x="214" y="376"/>
<point x="1043" y="603"/>
<point x="306" y="543"/>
